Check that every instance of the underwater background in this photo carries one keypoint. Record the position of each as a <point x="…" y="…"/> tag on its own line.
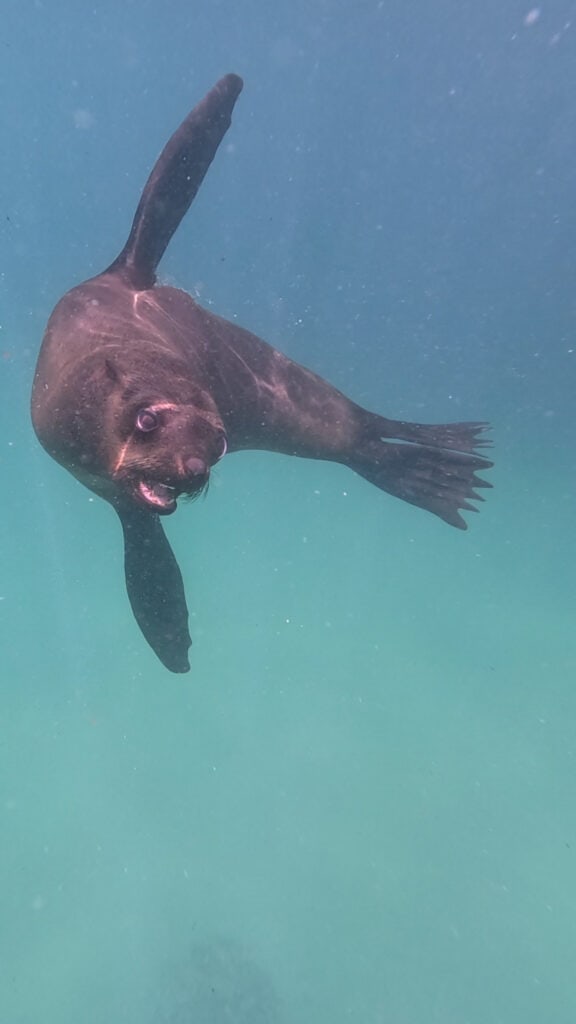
<point x="359" y="806"/>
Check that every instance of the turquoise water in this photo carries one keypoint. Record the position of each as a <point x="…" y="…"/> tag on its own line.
<point x="359" y="805"/>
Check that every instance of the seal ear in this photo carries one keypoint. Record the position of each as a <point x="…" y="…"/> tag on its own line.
<point x="155" y="587"/>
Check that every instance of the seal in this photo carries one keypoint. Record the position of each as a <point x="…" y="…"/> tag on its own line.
<point x="139" y="391"/>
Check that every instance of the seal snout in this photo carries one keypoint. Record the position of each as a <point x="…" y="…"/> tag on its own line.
<point x="196" y="473"/>
<point x="195" y="476"/>
<point x="196" y="467"/>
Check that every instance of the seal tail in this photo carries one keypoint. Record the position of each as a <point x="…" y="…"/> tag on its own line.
<point x="433" y="467"/>
<point x="174" y="181"/>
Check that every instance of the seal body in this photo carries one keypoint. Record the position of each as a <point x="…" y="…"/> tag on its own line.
<point x="139" y="391"/>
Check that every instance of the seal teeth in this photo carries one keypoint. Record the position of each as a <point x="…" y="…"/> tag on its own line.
<point x="156" y="493"/>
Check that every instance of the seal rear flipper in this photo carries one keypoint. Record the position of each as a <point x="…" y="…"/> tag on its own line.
<point x="174" y="181"/>
<point x="155" y="588"/>
<point x="434" y="467"/>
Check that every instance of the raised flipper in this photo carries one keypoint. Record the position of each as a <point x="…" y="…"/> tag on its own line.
<point x="433" y="467"/>
<point x="155" y="587"/>
<point x="174" y="181"/>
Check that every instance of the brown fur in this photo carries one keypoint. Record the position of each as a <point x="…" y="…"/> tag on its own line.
<point x="139" y="390"/>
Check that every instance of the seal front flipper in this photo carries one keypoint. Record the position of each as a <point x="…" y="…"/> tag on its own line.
<point x="155" y="587"/>
<point x="174" y="181"/>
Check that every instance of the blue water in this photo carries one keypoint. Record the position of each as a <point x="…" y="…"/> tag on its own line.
<point x="359" y="805"/>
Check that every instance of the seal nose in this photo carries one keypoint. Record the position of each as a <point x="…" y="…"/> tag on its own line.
<point x="196" y="467"/>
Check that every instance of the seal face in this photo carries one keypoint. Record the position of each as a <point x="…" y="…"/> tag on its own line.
<point x="139" y="391"/>
<point x="164" y="444"/>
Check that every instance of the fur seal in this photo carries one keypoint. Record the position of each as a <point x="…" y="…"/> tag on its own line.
<point x="139" y="391"/>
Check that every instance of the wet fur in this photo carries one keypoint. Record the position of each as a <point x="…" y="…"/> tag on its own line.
<point x="118" y="345"/>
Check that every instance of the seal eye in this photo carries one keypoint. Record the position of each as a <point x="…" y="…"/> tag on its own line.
<point x="146" y="420"/>
<point x="223" y="448"/>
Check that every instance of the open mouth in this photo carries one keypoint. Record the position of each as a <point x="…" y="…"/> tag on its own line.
<point x="161" y="497"/>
